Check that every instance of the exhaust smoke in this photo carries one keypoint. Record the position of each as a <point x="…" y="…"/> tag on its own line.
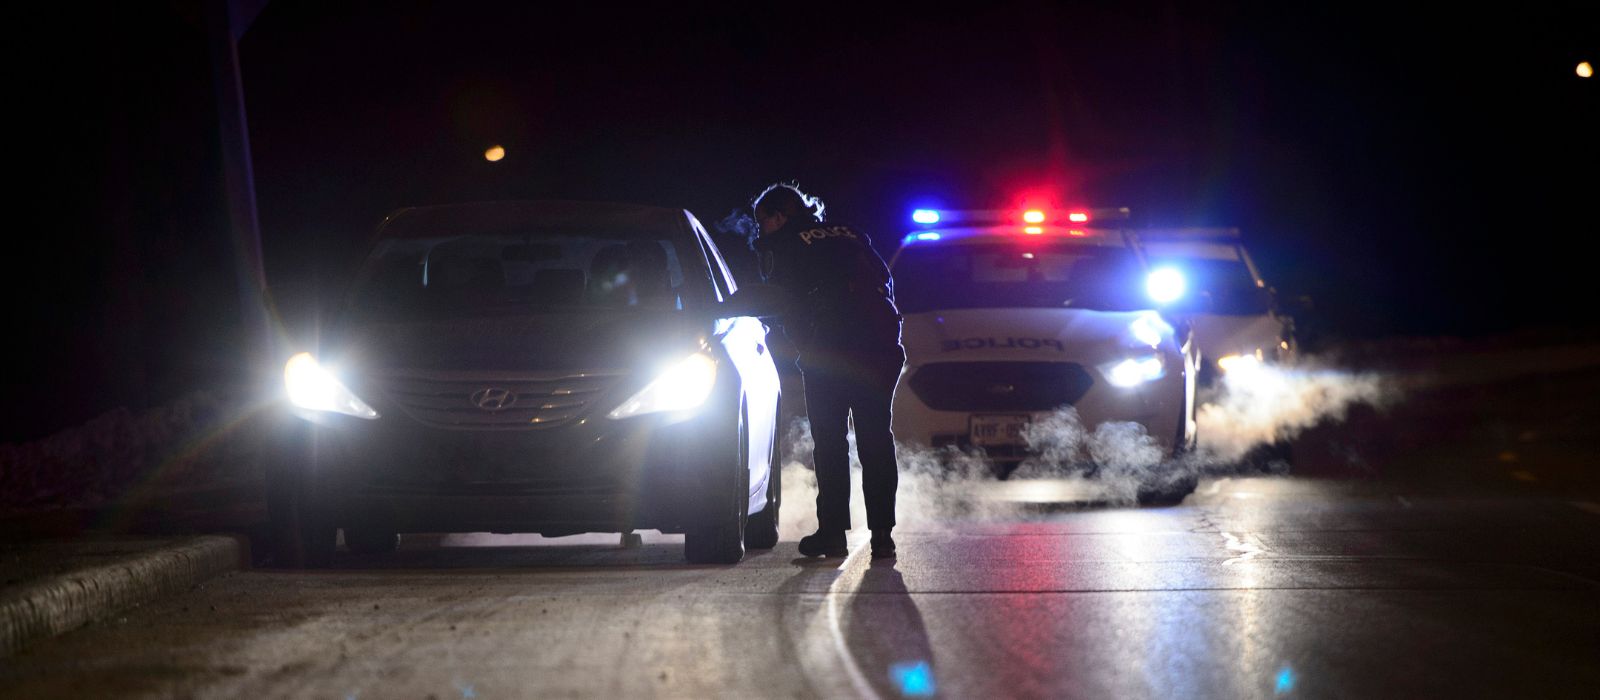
<point x="1265" y="404"/>
<point x="1109" y="463"/>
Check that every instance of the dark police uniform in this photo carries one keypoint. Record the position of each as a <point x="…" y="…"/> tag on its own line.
<point x="842" y="319"/>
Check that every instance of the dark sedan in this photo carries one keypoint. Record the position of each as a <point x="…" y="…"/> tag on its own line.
<point x="548" y="367"/>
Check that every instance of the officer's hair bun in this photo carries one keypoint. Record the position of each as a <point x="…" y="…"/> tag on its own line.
<point x="787" y="197"/>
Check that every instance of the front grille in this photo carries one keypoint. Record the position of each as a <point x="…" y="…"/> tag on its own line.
<point x="1000" y="386"/>
<point x="494" y="401"/>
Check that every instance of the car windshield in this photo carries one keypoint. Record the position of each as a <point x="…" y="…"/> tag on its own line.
<point x="468" y="275"/>
<point x="1222" y="286"/>
<point x="1019" y="274"/>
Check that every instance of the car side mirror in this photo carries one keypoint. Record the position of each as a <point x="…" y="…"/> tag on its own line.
<point x="760" y="300"/>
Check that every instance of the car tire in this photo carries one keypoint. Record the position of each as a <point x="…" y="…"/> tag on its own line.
<point x="761" y="529"/>
<point x="1168" y="493"/>
<point x="371" y="540"/>
<point x="302" y="531"/>
<point x="719" y="538"/>
<point x="1172" y="490"/>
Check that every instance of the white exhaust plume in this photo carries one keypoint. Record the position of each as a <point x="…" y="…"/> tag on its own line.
<point x="1109" y="463"/>
<point x="1267" y="404"/>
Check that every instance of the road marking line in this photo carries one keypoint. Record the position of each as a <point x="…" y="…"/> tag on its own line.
<point x="858" y="679"/>
<point x="1403" y="501"/>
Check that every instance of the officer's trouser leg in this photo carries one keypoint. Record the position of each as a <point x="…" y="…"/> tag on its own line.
<point x="880" y="475"/>
<point x="827" y="406"/>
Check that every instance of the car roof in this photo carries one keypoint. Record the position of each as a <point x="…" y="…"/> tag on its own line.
<point x="512" y="216"/>
<point x="1197" y="242"/>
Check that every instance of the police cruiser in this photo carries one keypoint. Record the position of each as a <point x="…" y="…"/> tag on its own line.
<point x="1010" y="316"/>
<point x="1238" y="321"/>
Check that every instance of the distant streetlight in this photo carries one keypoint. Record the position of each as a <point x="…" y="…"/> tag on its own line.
<point x="494" y="154"/>
<point x="1585" y="70"/>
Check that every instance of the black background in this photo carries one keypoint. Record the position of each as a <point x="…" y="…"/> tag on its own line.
<point x="1417" y="172"/>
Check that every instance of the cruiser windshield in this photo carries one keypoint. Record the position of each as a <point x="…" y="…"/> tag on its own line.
<point x="1011" y="275"/>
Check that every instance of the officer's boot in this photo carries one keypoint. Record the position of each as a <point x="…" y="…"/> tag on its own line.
<point x="824" y="543"/>
<point x="882" y="545"/>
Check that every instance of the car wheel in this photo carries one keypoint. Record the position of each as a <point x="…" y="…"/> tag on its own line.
<point x="719" y="538"/>
<point x="761" y="529"/>
<point x="1166" y="493"/>
<point x="1169" y="488"/>
<point x="371" y="540"/>
<point x="303" y="535"/>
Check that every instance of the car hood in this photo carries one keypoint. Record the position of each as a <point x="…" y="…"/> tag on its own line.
<point x="1065" y="335"/>
<point x="551" y="341"/>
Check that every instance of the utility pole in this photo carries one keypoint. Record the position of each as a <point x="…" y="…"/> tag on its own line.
<point x="226" y="21"/>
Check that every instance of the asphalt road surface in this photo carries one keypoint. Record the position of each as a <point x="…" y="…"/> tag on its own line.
<point x="1445" y="547"/>
<point x="1252" y="588"/>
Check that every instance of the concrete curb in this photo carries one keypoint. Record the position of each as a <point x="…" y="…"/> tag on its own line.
<point x="52" y="605"/>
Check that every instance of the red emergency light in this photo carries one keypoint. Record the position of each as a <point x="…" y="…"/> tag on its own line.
<point x="1033" y="216"/>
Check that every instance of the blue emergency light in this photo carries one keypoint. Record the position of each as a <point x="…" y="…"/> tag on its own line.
<point x="925" y="216"/>
<point x="922" y="236"/>
<point x="1166" y="285"/>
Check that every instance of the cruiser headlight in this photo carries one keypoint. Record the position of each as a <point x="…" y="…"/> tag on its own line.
<point x="683" y="386"/>
<point x="1134" y="371"/>
<point x="1239" y="363"/>
<point x="315" y="389"/>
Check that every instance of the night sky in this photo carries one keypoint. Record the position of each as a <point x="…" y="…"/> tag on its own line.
<point x="1415" y="173"/>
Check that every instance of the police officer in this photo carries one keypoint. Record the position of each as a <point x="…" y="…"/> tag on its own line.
<point x="842" y="319"/>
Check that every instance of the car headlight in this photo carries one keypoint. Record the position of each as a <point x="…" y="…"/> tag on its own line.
<point x="1236" y="364"/>
<point x="683" y="386"/>
<point x="315" y="389"/>
<point x="1135" y="371"/>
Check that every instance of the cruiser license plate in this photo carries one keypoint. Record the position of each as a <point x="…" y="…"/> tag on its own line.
<point x="989" y="430"/>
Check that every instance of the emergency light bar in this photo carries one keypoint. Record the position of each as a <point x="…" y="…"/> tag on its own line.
<point x="1031" y="217"/>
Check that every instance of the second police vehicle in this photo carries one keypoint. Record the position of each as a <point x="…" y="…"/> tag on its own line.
<point x="1013" y="315"/>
